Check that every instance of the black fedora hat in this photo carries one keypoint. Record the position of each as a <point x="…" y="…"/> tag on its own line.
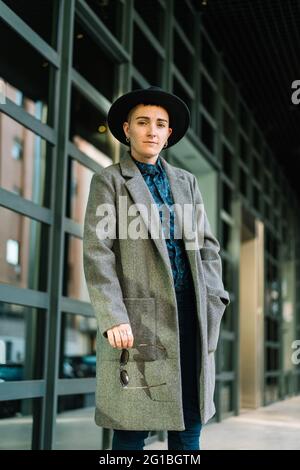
<point x="179" y="114"/>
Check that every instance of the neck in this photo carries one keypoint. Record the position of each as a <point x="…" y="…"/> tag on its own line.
<point x="144" y="158"/>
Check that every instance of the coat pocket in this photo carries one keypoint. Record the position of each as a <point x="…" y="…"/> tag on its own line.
<point x="215" y="310"/>
<point x="142" y="318"/>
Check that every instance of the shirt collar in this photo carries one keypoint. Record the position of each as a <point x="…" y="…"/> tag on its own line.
<point x="150" y="168"/>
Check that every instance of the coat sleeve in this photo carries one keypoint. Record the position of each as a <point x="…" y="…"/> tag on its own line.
<point x="209" y="252"/>
<point x="99" y="259"/>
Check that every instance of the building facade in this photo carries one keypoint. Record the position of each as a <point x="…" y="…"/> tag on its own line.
<point x="67" y="61"/>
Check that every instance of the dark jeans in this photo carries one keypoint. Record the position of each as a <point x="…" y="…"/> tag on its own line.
<point x="189" y="438"/>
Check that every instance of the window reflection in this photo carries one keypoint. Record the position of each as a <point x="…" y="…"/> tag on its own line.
<point x="16" y="423"/>
<point x="78" y="339"/>
<point x="22" y="335"/>
<point x="26" y="74"/>
<point x="26" y="159"/>
<point x="89" y="125"/>
<point x="74" y="279"/>
<point x="23" y="262"/>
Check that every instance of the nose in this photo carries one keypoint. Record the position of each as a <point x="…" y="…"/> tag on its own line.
<point x="151" y="130"/>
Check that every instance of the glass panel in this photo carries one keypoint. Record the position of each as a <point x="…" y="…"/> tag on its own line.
<point x="109" y="13"/>
<point x="24" y="162"/>
<point x="183" y="58"/>
<point x="228" y="126"/>
<point x="227" y="161"/>
<point x="243" y="182"/>
<point x="24" y="263"/>
<point x="227" y="363"/>
<point x="185" y="18"/>
<point x="79" y="180"/>
<point x="227" y="397"/>
<point x="207" y="134"/>
<point x="208" y="96"/>
<point x="227" y="319"/>
<point x="74" y="279"/>
<point x="227" y="198"/>
<point x="229" y="91"/>
<point x="17" y="423"/>
<point x="244" y="117"/>
<point x="40" y="16"/>
<point x="75" y="426"/>
<point x="271" y="389"/>
<point x="180" y="91"/>
<point x="243" y="149"/>
<point x="226" y="233"/>
<point x="89" y="126"/>
<point x="151" y="69"/>
<point x="208" y="57"/>
<point x="26" y="73"/>
<point x="22" y="335"/>
<point x="78" y="337"/>
<point x="86" y="54"/>
<point x="153" y="14"/>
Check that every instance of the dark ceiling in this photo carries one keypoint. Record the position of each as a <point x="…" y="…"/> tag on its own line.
<point x="260" y="41"/>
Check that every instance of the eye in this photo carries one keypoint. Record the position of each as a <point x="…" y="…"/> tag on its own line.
<point x="142" y="122"/>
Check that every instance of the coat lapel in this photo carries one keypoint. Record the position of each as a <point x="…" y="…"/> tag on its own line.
<point x="141" y="194"/>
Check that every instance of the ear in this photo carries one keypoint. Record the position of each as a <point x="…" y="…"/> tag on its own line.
<point x="170" y="131"/>
<point x="125" y="128"/>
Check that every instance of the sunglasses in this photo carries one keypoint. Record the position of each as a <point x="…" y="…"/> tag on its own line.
<point x="124" y="377"/>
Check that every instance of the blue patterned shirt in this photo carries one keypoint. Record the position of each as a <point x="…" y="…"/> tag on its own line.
<point x="158" y="184"/>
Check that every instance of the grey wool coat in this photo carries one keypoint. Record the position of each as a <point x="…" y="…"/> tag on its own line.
<point x="130" y="281"/>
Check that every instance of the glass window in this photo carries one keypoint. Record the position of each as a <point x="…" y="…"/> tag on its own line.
<point x="183" y="58"/>
<point x="243" y="149"/>
<point x="229" y="90"/>
<point x="110" y="13"/>
<point x="227" y="397"/>
<point x="208" y="57"/>
<point x="40" y="16"/>
<point x="227" y="363"/>
<point x="76" y="418"/>
<point x="22" y="334"/>
<point x="185" y="18"/>
<point x="92" y="62"/>
<point x="153" y="14"/>
<point x="27" y="75"/>
<point x="226" y="235"/>
<point x="79" y="180"/>
<point x="32" y="239"/>
<point x="207" y="134"/>
<point x="17" y="423"/>
<point x="208" y="96"/>
<point x="145" y="57"/>
<point x="228" y="126"/>
<point x="88" y="125"/>
<point x="244" y="118"/>
<point x="74" y="284"/>
<point x="78" y="337"/>
<point x="30" y="169"/>
<point x="180" y="91"/>
<point x="12" y="252"/>
<point x="227" y="198"/>
<point x="227" y="161"/>
<point x="243" y="182"/>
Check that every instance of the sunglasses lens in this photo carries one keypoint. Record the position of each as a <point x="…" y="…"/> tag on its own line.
<point x="124" y="378"/>
<point x="124" y="357"/>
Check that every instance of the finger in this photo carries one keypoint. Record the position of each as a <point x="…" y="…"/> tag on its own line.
<point x="117" y="336"/>
<point x="111" y="338"/>
<point x="130" y="339"/>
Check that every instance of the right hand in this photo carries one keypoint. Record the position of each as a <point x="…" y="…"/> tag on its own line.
<point x="120" y="336"/>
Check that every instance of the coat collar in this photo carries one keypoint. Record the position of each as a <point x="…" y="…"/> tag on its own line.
<point x="139" y="191"/>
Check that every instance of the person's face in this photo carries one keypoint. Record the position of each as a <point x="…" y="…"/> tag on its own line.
<point x="148" y="130"/>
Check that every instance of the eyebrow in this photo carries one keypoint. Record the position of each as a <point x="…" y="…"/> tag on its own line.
<point x="146" y="117"/>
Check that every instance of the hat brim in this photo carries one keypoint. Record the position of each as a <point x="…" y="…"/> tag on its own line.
<point x="179" y="114"/>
